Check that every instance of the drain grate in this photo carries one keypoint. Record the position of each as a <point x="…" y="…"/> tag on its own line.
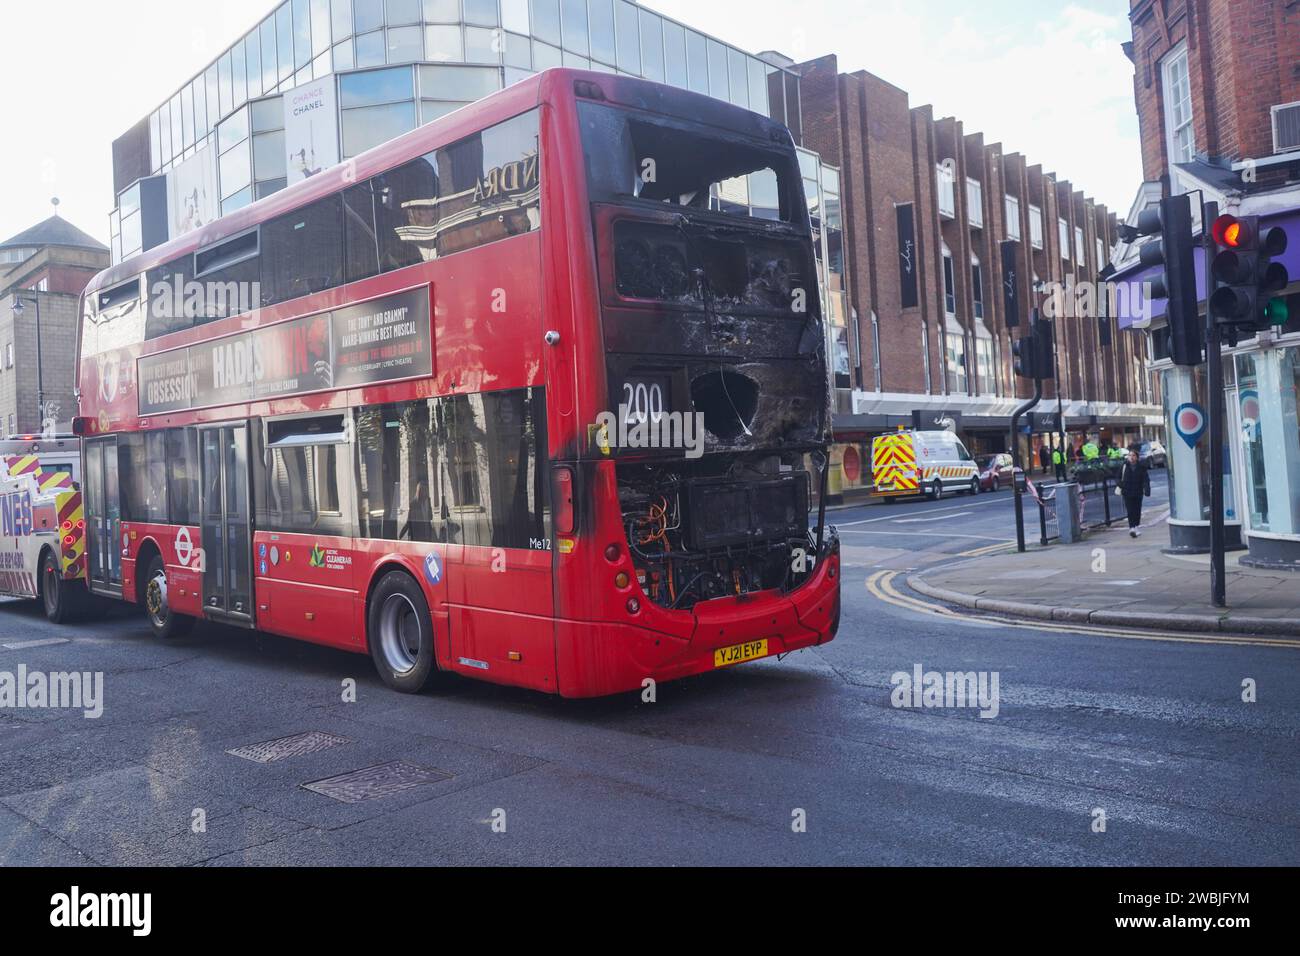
<point x="268" y="751"/>
<point x="370" y="783"/>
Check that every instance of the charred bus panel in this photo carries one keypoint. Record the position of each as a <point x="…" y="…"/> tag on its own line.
<point x="711" y="322"/>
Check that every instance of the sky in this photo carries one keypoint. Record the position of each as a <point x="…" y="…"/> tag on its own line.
<point x="1047" y="79"/>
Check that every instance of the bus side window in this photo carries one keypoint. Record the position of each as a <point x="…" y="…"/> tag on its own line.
<point x="303" y="480"/>
<point x="142" y="468"/>
<point x="181" y="445"/>
<point x="498" y="454"/>
<point x="301" y="252"/>
<point x="361" y="247"/>
<point x="399" y="459"/>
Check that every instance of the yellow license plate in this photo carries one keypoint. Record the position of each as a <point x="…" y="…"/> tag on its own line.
<point x="739" y="653"/>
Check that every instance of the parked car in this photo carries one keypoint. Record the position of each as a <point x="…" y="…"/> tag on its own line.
<point x="996" y="471"/>
<point x="1152" y="454"/>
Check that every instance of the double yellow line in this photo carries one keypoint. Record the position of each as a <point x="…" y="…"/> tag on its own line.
<point x="881" y="586"/>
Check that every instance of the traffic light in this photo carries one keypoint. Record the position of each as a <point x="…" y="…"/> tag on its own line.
<point x="1247" y="282"/>
<point x="1044" y="349"/>
<point x="1025" y="354"/>
<point x="1172" y="222"/>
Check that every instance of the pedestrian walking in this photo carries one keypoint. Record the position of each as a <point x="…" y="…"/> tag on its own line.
<point x="1044" y="457"/>
<point x="1134" y="485"/>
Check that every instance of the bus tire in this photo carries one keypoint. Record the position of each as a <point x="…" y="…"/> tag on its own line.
<point x="399" y="630"/>
<point x="64" y="601"/>
<point x="163" y="621"/>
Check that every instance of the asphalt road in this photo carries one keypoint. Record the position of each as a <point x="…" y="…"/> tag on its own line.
<point x="1154" y="735"/>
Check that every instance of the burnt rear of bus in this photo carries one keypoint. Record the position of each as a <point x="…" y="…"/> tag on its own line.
<point x="713" y="415"/>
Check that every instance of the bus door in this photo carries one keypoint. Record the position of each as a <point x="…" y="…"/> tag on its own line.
<point x="103" y="516"/>
<point x="224" y="525"/>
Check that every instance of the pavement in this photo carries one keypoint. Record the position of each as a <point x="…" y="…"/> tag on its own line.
<point x="1112" y="579"/>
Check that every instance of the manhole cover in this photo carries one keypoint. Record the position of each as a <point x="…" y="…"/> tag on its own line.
<point x="370" y="783"/>
<point x="281" y="748"/>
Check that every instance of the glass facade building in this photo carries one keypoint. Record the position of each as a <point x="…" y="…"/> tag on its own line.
<point x="402" y="63"/>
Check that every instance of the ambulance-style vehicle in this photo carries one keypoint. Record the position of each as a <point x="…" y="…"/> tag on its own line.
<point x="43" y="523"/>
<point x="921" y="463"/>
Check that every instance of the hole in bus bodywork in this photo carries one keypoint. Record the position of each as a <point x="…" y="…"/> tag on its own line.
<point x="704" y="530"/>
<point x="728" y="402"/>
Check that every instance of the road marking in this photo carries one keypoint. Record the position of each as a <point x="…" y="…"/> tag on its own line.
<point x="882" y="587"/>
<point x="939" y="518"/>
<point x="921" y="511"/>
<point x="46" y="642"/>
<point x="930" y="534"/>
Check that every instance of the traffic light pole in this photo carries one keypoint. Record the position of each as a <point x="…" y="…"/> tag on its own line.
<point x="1015" y="461"/>
<point x="1214" y="412"/>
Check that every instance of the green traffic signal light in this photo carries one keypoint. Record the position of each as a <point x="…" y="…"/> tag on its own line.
<point x="1276" y="311"/>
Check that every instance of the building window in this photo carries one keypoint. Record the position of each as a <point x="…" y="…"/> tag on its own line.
<point x="9" y="356"/>
<point x="1035" y="227"/>
<point x="949" y="284"/>
<point x="947" y="201"/>
<point x="974" y="202"/>
<point x="1102" y="258"/>
<point x="1013" y="217"/>
<point x="1078" y="245"/>
<point x="977" y="286"/>
<point x="1178" y="105"/>
<point x="377" y="106"/>
<point x="1063" y="234"/>
<point x="984" y="364"/>
<point x="955" y="353"/>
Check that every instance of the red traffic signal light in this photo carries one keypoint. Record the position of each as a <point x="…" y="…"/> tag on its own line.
<point x="1234" y="232"/>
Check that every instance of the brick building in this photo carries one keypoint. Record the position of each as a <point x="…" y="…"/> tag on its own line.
<point x="1217" y="90"/>
<point x="926" y="206"/>
<point x="43" y="271"/>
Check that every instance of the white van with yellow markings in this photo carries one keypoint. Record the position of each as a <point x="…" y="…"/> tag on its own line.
<point x="922" y="463"/>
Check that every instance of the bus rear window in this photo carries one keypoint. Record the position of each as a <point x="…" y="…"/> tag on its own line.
<point x="633" y="156"/>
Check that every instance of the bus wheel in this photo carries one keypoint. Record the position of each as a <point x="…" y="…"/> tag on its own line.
<point x="64" y="600"/>
<point x="401" y="633"/>
<point x="163" y="621"/>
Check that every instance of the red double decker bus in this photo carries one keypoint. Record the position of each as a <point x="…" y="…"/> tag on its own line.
<point x="536" y="394"/>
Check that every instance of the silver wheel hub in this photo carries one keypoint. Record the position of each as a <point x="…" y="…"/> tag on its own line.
<point x="399" y="633"/>
<point x="155" y="598"/>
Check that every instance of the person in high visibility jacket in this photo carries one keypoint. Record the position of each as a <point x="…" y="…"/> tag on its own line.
<point x="1090" y="450"/>
<point x="1058" y="460"/>
<point x="1116" y="453"/>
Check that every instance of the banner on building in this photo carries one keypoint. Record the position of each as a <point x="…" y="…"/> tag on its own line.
<point x="192" y="194"/>
<point x="365" y="344"/>
<point x="907" y="256"/>
<point x="311" y="129"/>
<point x="1011" y="302"/>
